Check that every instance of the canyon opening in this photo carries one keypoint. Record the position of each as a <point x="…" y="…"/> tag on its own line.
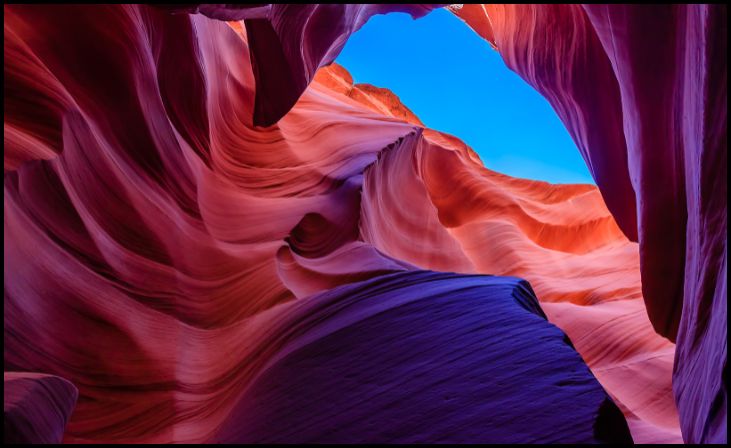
<point x="222" y="226"/>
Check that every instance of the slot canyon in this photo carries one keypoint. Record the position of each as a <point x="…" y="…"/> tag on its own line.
<point x="213" y="234"/>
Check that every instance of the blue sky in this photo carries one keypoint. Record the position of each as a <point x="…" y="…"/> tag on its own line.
<point x="455" y="82"/>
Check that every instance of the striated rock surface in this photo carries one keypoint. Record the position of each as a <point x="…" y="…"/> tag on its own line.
<point x="36" y="407"/>
<point x="146" y="211"/>
<point x="642" y="89"/>
<point x="143" y="259"/>
<point x="424" y="357"/>
<point x="462" y="217"/>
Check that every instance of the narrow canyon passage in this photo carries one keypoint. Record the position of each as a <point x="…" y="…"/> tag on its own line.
<point x="465" y="218"/>
<point x="214" y="234"/>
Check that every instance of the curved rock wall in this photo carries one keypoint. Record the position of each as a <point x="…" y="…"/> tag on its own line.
<point x="642" y="89"/>
<point x="36" y="407"/>
<point x="157" y="238"/>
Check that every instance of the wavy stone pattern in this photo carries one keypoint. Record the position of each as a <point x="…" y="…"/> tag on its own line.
<point x="642" y="89"/>
<point x="462" y="217"/>
<point x="145" y="211"/>
<point x="36" y="407"/>
<point x="425" y="357"/>
<point x="158" y="230"/>
<point x="197" y="245"/>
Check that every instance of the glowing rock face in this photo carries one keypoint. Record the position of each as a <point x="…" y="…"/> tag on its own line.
<point x="464" y="218"/>
<point x="643" y="91"/>
<point x="162" y="251"/>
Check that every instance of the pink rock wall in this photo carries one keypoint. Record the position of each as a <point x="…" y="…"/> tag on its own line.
<point x="145" y="210"/>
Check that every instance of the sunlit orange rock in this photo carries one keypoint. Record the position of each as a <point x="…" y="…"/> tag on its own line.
<point x="161" y="248"/>
<point x="465" y="218"/>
